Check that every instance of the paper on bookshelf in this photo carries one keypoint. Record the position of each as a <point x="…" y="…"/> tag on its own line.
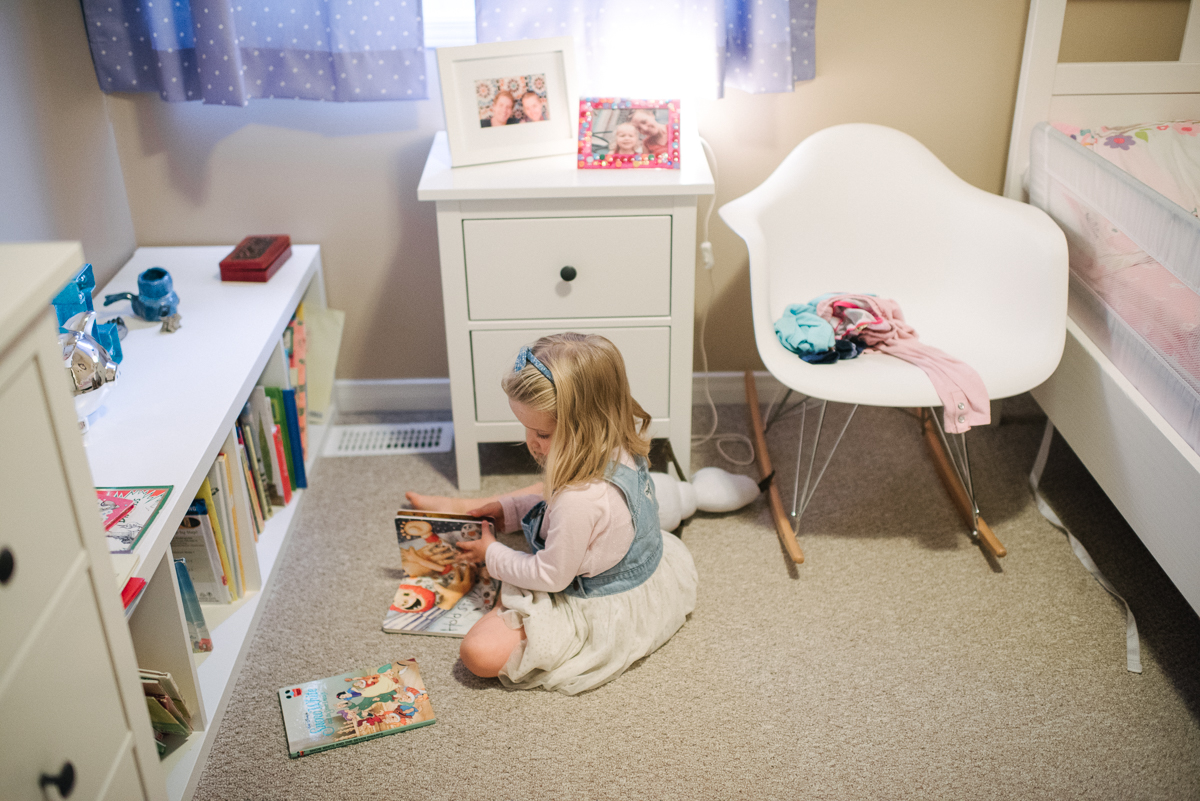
<point x="324" y="327"/>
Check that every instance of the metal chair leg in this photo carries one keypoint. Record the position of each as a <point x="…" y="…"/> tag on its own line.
<point x="800" y="500"/>
<point x="953" y="466"/>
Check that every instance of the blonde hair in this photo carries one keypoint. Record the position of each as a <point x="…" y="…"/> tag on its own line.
<point x="596" y="416"/>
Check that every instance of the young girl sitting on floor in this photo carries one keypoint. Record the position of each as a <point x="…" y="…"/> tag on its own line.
<point x="603" y="586"/>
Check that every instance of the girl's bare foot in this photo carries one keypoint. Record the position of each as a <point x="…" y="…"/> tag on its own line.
<point x="440" y="503"/>
<point x="460" y="506"/>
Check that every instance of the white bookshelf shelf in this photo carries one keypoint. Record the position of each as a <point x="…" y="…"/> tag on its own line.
<point x="164" y="422"/>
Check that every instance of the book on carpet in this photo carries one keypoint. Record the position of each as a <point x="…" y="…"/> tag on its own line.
<point x="355" y="706"/>
<point x="126" y="532"/>
<point x="437" y="595"/>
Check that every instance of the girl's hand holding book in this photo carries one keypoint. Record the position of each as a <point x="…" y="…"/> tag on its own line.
<point x="475" y="550"/>
<point x="494" y="510"/>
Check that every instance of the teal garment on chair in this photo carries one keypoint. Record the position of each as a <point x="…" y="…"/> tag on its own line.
<point x="802" y="331"/>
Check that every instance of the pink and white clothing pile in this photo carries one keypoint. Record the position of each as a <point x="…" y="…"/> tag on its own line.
<point x="880" y="324"/>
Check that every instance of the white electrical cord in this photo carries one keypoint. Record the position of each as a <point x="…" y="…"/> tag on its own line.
<point x="706" y="253"/>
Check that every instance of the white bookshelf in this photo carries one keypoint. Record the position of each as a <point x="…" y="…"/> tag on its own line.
<point x="164" y="422"/>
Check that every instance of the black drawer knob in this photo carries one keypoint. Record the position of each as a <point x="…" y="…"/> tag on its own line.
<point x="568" y="273"/>
<point x="7" y="565"/>
<point x="64" y="781"/>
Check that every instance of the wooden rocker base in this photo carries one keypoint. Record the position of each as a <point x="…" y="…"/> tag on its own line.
<point x="950" y="480"/>
<point x="941" y="462"/>
<point x="786" y="536"/>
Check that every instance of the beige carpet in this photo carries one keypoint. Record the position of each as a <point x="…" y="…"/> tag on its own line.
<point x="897" y="662"/>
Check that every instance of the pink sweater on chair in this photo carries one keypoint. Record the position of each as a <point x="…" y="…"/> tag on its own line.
<point x="880" y="324"/>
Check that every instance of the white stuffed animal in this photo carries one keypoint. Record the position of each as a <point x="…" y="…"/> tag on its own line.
<point x="710" y="490"/>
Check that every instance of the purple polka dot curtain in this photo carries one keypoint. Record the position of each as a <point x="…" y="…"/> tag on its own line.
<point x="225" y="52"/>
<point x="668" y="48"/>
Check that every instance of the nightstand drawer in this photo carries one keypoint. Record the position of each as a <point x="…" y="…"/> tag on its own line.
<point x="646" y="351"/>
<point x="63" y="705"/>
<point x="39" y="535"/>
<point x="515" y="267"/>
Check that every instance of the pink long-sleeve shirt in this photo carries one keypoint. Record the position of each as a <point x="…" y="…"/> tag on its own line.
<point x="880" y="323"/>
<point x="587" y="529"/>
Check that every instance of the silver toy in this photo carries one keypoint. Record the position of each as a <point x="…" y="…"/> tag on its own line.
<point x="92" y="370"/>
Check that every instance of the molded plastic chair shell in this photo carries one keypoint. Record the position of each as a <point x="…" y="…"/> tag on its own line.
<point x="865" y="208"/>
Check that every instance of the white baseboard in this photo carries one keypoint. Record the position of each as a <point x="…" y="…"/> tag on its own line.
<point x="433" y="394"/>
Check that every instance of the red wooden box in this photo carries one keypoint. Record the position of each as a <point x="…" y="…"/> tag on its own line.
<point x="256" y="258"/>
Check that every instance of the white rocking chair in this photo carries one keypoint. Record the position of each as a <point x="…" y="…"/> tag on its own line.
<point x="864" y="208"/>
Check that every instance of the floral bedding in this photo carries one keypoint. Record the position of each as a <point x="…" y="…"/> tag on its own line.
<point x="1165" y="155"/>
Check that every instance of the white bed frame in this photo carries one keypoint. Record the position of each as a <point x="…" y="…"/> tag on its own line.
<point x="1151" y="475"/>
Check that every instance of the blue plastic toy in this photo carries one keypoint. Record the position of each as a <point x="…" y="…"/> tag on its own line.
<point x="76" y="298"/>
<point x="157" y="298"/>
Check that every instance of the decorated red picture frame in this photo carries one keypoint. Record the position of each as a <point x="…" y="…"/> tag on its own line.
<point x="621" y="134"/>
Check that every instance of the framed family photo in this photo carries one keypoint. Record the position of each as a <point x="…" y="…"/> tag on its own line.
<point x="620" y="133"/>
<point x="508" y="100"/>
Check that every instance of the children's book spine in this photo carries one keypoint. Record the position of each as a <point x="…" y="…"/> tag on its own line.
<point x="284" y="481"/>
<point x="250" y="456"/>
<point x="299" y="372"/>
<point x="254" y="455"/>
<point x="275" y="396"/>
<point x="293" y="424"/>
<point x="266" y="423"/>
<point x="251" y="493"/>
<point x="194" y="541"/>
<point x="243" y="517"/>
<point x="224" y="500"/>
<point x="246" y="483"/>
<point x="207" y="495"/>
<point x="192" y="611"/>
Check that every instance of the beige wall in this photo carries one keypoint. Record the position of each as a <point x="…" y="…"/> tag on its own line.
<point x="345" y="176"/>
<point x="59" y="170"/>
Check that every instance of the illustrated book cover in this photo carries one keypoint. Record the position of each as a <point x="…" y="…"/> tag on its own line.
<point x="437" y="596"/>
<point x="126" y="532"/>
<point x="359" y="705"/>
<point x="112" y="507"/>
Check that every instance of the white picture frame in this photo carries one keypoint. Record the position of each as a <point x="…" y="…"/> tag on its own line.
<point x="473" y="80"/>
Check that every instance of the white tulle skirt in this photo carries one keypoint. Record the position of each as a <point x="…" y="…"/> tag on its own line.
<point x="574" y="644"/>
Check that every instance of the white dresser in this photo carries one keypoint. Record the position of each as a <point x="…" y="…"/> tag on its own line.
<point x="77" y="724"/>
<point x="535" y="247"/>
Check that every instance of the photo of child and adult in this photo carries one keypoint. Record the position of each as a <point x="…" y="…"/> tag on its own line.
<point x="628" y="132"/>
<point x="512" y="101"/>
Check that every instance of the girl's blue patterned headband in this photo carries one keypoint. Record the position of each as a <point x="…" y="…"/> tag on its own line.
<point x="526" y="357"/>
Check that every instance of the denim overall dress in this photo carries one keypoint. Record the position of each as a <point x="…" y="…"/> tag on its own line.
<point x="644" y="553"/>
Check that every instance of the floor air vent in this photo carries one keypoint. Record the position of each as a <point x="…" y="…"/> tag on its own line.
<point x="389" y="439"/>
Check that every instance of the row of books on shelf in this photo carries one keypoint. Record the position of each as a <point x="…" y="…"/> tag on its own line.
<point x="258" y="469"/>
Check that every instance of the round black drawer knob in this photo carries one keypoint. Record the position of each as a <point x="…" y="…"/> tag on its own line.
<point x="568" y="273"/>
<point x="64" y="781"/>
<point x="7" y="565"/>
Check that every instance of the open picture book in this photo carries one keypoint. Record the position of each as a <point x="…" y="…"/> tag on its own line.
<point x="437" y="595"/>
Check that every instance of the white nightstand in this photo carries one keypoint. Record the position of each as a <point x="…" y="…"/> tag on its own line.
<point x="508" y="231"/>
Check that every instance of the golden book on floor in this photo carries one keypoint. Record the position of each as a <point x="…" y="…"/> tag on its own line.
<point x="350" y="707"/>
